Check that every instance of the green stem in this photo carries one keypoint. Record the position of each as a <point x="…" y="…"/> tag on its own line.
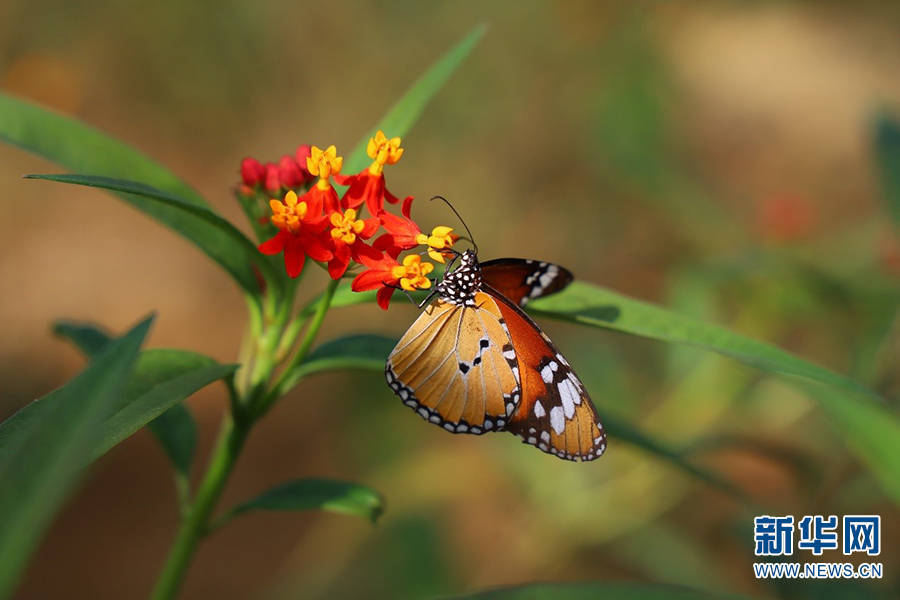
<point x="194" y="526"/>
<point x="286" y="380"/>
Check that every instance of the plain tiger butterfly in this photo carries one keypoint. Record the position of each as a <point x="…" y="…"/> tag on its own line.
<point x="475" y="362"/>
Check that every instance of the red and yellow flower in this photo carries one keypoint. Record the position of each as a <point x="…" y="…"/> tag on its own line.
<point x="386" y="275"/>
<point x="347" y="235"/>
<point x="368" y="186"/>
<point x="300" y="234"/>
<point x="323" y="164"/>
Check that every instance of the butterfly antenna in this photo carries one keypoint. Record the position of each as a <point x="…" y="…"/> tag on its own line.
<point x="461" y="220"/>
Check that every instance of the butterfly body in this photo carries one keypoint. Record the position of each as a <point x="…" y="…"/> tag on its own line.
<point x="474" y="362"/>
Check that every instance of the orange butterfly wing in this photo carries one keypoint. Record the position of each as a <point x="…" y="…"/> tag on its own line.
<point x="456" y="368"/>
<point x="555" y="414"/>
<point x="521" y="279"/>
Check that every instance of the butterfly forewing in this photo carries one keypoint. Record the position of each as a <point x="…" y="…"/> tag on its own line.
<point x="521" y="280"/>
<point x="456" y="368"/>
<point x="556" y="414"/>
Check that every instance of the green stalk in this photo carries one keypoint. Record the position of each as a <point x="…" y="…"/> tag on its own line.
<point x="195" y="523"/>
<point x="287" y="378"/>
<point x="194" y="526"/>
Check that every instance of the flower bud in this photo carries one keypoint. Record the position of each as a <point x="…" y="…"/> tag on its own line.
<point x="273" y="181"/>
<point x="252" y="172"/>
<point x="289" y="172"/>
<point x="302" y="154"/>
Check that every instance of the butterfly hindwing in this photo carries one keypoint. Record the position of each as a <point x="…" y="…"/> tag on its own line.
<point x="556" y="414"/>
<point x="522" y="280"/>
<point x="456" y="368"/>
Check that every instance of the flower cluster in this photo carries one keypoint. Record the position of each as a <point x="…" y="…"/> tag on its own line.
<point x="330" y="228"/>
<point x="290" y="172"/>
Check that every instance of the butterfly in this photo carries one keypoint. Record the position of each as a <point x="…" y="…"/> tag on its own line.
<point x="475" y="362"/>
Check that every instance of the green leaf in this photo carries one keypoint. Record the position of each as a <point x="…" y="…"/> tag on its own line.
<point x="162" y="379"/>
<point x="175" y="428"/>
<point x="352" y="352"/>
<point x="176" y="432"/>
<point x="42" y="453"/>
<point x="589" y="304"/>
<point x="88" y="338"/>
<point x="219" y="239"/>
<point x="887" y="153"/>
<point x="318" y="494"/>
<point x="592" y="305"/>
<point x="618" y="428"/>
<point x="407" y="110"/>
<point x="79" y="147"/>
<point x="871" y="432"/>
<point x="617" y="590"/>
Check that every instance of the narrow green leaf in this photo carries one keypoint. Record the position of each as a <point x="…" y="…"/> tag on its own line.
<point x="887" y="154"/>
<point x="318" y="494"/>
<point x="219" y="239"/>
<point x="592" y="305"/>
<point x="589" y="304"/>
<point x="352" y="352"/>
<point x="407" y="110"/>
<point x="79" y="147"/>
<point x="871" y="432"/>
<point x="618" y="428"/>
<point x="88" y="338"/>
<point x="41" y="455"/>
<point x="176" y="432"/>
<point x="175" y="429"/>
<point x="146" y="407"/>
<point x="618" y="590"/>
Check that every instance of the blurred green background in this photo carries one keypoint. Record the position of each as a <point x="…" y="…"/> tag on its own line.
<point x="718" y="158"/>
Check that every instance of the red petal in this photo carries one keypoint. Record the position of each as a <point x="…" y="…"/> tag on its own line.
<point x="337" y="266"/>
<point x="362" y="250"/>
<point x="344" y="179"/>
<point x="389" y="196"/>
<point x="375" y="194"/>
<point x="316" y="249"/>
<point x="371" y="227"/>
<point x="294" y="258"/>
<point x="274" y="245"/>
<point x="384" y="297"/>
<point x="407" y="207"/>
<point x="386" y="244"/>
<point x="369" y="280"/>
<point x="330" y="200"/>
<point x="358" y="192"/>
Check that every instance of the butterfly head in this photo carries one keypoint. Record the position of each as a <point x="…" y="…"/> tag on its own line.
<point x="460" y="284"/>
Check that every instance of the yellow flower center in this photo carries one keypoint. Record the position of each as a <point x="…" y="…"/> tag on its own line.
<point x="412" y="273"/>
<point x="439" y="239"/>
<point x="383" y="151"/>
<point x="346" y="226"/>
<point x="288" y="214"/>
<point x="324" y="164"/>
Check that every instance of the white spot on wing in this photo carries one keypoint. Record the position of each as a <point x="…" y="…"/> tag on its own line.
<point x="547" y="374"/>
<point x="568" y="395"/>
<point x="539" y="409"/>
<point x="557" y="421"/>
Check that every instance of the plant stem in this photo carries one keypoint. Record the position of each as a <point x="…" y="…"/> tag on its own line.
<point x="286" y="380"/>
<point x="193" y="527"/>
<point x="235" y="427"/>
